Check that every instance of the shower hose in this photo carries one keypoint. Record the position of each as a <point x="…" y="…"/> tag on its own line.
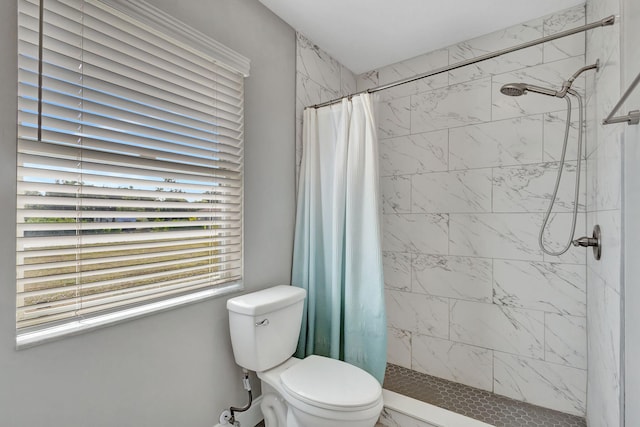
<point x="559" y="177"/>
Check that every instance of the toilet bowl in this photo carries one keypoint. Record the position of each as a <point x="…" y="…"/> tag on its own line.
<point x="312" y="392"/>
<point x="322" y="392"/>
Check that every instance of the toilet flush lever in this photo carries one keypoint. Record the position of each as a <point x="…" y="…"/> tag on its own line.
<point x="264" y="322"/>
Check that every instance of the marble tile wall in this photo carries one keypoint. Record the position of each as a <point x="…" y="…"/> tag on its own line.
<point x="604" y="177"/>
<point x="319" y="78"/>
<point x="391" y="418"/>
<point x="466" y="176"/>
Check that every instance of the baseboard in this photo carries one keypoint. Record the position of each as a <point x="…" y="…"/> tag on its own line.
<point x="249" y="418"/>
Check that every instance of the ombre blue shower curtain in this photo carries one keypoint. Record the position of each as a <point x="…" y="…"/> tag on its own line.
<point x="337" y="248"/>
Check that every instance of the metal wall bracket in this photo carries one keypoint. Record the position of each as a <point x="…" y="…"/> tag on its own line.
<point x="594" y="241"/>
<point x="633" y="118"/>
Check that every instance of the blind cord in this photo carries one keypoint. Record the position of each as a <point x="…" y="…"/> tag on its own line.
<point x="40" y="66"/>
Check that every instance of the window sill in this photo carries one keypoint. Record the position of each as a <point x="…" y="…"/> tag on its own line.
<point x="75" y="327"/>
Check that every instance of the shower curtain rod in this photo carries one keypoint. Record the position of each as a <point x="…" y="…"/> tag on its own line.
<point x="610" y="20"/>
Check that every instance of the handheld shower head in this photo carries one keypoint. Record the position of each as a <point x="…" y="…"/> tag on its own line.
<point x="513" y="89"/>
<point x="517" y="89"/>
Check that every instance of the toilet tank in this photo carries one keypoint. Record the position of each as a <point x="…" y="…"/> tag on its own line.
<point x="265" y="326"/>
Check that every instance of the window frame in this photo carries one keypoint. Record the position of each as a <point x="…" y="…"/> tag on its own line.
<point x="142" y="12"/>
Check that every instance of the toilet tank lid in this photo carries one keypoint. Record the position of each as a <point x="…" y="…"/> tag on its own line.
<point x="266" y="300"/>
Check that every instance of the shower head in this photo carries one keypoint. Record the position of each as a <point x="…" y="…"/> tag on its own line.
<point x="513" y="89"/>
<point x="517" y="89"/>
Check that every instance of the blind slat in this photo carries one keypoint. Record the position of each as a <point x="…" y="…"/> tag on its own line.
<point x="159" y="192"/>
<point x="132" y="161"/>
<point x="41" y="269"/>
<point x="64" y="254"/>
<point x="29" y="316"/>
<point x="65" y="80"/>
<point x="67" y="95"/>
<point x="120" y="276"/>
<point x="132" y="188"/>
<point x="27" y="243"/>
<point x="56" y="63"/>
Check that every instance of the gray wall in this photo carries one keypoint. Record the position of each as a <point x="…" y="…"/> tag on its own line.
<point x="174" y="368"/>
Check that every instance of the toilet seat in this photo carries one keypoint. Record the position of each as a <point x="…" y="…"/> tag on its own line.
<point x="331" y="384"/>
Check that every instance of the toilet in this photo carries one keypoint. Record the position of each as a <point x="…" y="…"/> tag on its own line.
<point x="312" y="392"/>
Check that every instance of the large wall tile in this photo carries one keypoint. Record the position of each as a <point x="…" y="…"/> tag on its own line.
<point x="592" y="117"/>
<point x="603" y="326"/>
<point x="530" y="188"/>
<point x="449" y="192"/>
<point x="554" y="288"/>
<point x="399" y="347"/>
<point x="416" y="233"/>
<point x="549" y="75"/>
<point x="317" y="64"/>
<point x="499" y="328"/>
<point x="566" y="340"/>
<point x="609" y="175"/>
<point x="591" y="165"/>
<point x="457" y="362"/>
<point x="605" y="93"/>
<point x="394" y="118"/>
<point x="566" y="46"/>
<point x="397" y="270"/>
<point x="456" y="105"/>
<point x="510" y="236"/>
<point x="396" y="194"/>
<point x="348" y="82"/>
<point x="391" y="418"/>
<point x="366" y="80"/>
<point x="319" y="78"/>
<point x="500" y="143"/>
<point x="600" y="8"/>
<point x="557" y="234"/>
<point x="411" y="154"/>
<point x="464" y="278"/>
<point x="410" y="68"/>
<point x="418" y="313"/>
<point x="509" y="37"/>
<point x="546" y="384"/>
<point x="554" y="130"/>
<point x="310" y="92"/>
<point x="609" y="265"/>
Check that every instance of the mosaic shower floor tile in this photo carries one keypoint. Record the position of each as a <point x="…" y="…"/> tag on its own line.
<point x="475" y="403"/>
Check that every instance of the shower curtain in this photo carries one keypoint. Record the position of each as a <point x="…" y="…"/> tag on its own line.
<point x="337" y="247"/>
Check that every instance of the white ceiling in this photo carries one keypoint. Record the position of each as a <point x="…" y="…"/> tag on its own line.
<point x="367" y="34"/>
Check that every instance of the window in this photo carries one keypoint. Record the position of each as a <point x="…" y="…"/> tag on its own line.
<point x="130" y="158"/>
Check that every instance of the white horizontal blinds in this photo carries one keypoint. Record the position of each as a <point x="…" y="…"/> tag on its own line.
<point x="134" y="191"/>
